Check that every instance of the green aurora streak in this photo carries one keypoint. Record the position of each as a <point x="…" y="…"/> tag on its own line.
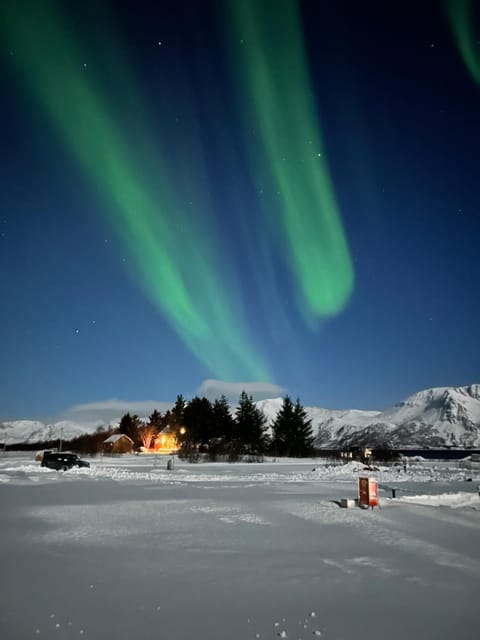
<point x="460" y="15"/>
<point x="174" y="258"/>
<point x="272" y="61"/>
<point x="103" y="121"/>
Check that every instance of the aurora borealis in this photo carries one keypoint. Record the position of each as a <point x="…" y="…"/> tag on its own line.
<point x="250" y="191"/>
<point x="185" y="285"/>
<point x="462" y="20"/>
<point x="276" y="74"/>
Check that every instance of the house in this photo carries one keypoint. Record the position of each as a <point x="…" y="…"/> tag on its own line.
<point x="166" y="441"/>
<point x="118" y="443"/>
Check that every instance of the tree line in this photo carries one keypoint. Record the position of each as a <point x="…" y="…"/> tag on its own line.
<point x="205" y="427"/>
<point x="210" y="429"/>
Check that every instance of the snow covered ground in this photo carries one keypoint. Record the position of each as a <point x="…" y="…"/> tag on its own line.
<point x="128" y="550"/>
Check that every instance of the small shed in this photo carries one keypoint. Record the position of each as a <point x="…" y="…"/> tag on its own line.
<point x="118" y="443"/>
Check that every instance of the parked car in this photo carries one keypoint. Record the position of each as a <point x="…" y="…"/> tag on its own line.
<point x="62" y="461"/>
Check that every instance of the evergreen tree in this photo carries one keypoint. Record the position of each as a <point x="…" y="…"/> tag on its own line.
<point x="130" y="425"/>
<point x="198" y="420"/>
<point x="223" y="423"/>
<point x="281" y="427"/>
<point x="303" y="443"/>
<point x="221" y="429"/>
<point x="156" y="420"/>
<point x="292" y="431"/>
<point x="167" y="420"/>
<point x="249" y="428"/>
<point x="149" y="431"/>
<point x="178" y="413"/>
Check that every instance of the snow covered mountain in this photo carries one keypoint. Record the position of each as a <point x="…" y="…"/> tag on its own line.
<point x="441" y="417"/>
<point x="445" y="416"/>
<point x="31" y="431"/>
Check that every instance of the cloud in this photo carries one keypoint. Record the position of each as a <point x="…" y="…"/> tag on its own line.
<point x="213" y="389"/>
<point x="106" y="411"/>
<point x="121" y="405"/>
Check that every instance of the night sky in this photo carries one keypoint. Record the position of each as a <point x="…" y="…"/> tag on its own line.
<point x="275" y="193"/>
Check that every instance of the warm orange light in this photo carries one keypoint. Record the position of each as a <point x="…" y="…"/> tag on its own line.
<point x="166" y="443"/>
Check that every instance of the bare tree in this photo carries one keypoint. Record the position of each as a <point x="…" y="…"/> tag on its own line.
<point x="147" y="434"/>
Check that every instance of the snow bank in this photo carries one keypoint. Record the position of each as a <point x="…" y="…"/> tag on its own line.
<point x="453" y="500"/>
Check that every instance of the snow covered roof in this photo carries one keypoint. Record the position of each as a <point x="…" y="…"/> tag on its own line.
<point x="116" y="437"/>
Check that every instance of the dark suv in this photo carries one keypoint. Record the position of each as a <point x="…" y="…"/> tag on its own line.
<point x="62" y="461"/>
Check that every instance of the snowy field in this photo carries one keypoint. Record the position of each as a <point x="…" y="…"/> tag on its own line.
<point x="127" y="550"/>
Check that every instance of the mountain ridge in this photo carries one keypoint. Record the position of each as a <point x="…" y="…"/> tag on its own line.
<point x="436" y="417"/>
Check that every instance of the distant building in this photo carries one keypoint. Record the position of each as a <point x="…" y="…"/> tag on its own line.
<point x="166" y="441"/>
<point x="118" y="443"/>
